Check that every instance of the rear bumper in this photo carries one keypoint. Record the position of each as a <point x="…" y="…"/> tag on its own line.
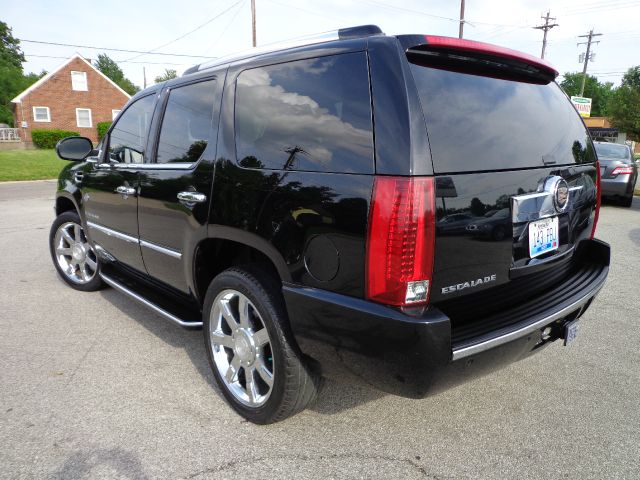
<point x="622" y="185"/>
<point x="416" y="356"/>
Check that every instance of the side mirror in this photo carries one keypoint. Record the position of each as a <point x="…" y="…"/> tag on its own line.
<point x="74" y="148"/>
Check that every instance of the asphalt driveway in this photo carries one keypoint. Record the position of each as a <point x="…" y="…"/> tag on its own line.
<point x="94" y="385"/>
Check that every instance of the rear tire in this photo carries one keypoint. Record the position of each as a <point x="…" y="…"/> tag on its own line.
<point x="74" y="259"/>
<point x="256" y="363"/>
<point x="627" y="201"/>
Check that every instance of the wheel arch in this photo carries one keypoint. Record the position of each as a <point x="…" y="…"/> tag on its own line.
<point x="227" y="247"/>
<point x="65" y="202"/>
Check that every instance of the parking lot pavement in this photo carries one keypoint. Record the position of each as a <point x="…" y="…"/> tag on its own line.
<point x="96" y="386"/>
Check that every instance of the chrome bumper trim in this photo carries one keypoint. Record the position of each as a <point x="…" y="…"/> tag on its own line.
<point x="521" y="332"/>
<point x="121" y="288"/>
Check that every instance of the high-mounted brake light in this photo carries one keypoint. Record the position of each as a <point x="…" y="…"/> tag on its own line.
<point x="449" y="43"/>
<point x="622" y="171"/>
<point x="401" y="240"/>
<point x="598" y="201"/>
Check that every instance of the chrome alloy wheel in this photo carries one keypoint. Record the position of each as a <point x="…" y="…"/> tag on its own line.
<point x="241" y="348"/>
<point x="74" y="255"/>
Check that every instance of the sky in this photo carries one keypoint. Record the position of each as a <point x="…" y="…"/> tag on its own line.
<point x="221" y="27"/>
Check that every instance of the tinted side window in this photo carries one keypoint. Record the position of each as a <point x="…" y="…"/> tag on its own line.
<point x="310" y="115"/>
<point x="129" y="135"/>
<point x="186" y="125"/>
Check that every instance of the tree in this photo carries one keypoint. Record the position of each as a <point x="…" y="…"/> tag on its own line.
<point x="597" y="91"/>
<point x="167" y="75"/>
<point x="12" y="79"/>
<point x="111" y="69"/>
<point x="10" y="53"/>
<point x="623" y="105"/>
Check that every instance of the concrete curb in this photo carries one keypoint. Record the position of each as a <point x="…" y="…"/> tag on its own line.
<point x="8" y="182"/>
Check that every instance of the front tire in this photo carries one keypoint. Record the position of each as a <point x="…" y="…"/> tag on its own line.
<point x="254" y="359"/>
<point x="74" y="259"/>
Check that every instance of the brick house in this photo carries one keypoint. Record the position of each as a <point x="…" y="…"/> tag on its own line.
<point x="75" y="96"/>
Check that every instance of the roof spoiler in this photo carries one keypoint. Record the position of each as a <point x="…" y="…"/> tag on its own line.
<point x="477" y="58"/>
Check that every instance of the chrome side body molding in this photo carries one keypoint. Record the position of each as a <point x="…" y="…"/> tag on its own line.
<point x="131" y="239"/>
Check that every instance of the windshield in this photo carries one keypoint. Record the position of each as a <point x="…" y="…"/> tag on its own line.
<point x="612" y="151"/>
<point x="480" y="123"/>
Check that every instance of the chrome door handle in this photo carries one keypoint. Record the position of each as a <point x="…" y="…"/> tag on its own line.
<point x="126" y="191"/>
<point x="192" y="197"/>
<point x="78" y="176"/>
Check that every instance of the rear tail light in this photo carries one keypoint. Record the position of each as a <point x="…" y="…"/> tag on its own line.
<point x="401" y="240"/>
<point x="598" y="200"/>
<point x="622" y="171"/>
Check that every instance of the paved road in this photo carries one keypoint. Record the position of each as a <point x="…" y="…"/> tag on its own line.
<point x="96" y="386"/>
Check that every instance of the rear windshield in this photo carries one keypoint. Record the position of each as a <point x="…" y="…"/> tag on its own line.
<point x="479" y="123"/>
<point x="612" y="151"/>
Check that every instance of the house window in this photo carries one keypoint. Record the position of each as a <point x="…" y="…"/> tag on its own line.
<point x="41" y="114"/>
<point x="114" y="114"/>
<point x="83" y="117"/>
<point x="79" y="81"/>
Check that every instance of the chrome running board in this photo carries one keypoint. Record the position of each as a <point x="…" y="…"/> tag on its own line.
<point x="169" y="316"/>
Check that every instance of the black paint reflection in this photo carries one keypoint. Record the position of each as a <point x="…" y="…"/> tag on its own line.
<point x="292" y="210"/>
<point x="475" y="234"/>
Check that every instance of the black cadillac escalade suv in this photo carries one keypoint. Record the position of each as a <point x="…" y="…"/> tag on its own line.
<point x="402" y="211"/>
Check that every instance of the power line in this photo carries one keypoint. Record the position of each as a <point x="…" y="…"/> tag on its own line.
<point x="116" y="61"/>
<point x="189" y="32"/>
<point x="603" y="8"/>
<point x="295" y="7"/>
<point x="224" y="30"/>
<point x="418" y="12"/>
<point x="545" y="28"/>
<point x="111" y="49"/>
<point x="593" y="5"/>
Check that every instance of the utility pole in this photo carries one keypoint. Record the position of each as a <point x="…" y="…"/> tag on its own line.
<point x="588" y="56"/>
<point x="144" y="76"/>
<point x="545" y="28"/>
<point x="253" y="20"/>
<point x="461" y="30"/>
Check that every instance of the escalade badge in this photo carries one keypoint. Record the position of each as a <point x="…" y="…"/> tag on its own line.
<point x="469" y="284"/>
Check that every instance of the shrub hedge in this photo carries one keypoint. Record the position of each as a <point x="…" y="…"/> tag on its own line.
<point x="102" y="129"/>
<point x="49" y="138"/>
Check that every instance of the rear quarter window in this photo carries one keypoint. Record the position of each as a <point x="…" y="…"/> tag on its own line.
<point x="307" y="115"/>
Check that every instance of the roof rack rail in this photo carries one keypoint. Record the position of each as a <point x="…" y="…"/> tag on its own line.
<point x="340" y="34"/>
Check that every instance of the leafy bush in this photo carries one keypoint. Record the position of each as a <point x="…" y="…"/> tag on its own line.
<point x="102" y="129"/>
<point x="49" y="138"/>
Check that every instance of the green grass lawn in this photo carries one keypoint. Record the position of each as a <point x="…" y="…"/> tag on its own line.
<point x="29" y="165"/>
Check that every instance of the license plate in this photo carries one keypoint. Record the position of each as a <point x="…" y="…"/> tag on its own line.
<point x="570" y="332"/>
<point x="543" y="236"/>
